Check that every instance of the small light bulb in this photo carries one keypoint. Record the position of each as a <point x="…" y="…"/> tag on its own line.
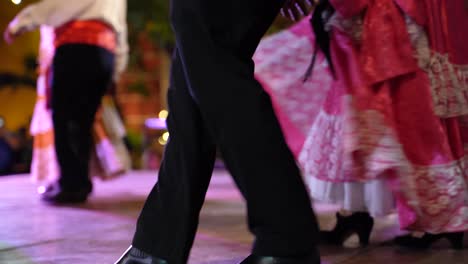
<point x="165" y="136"/>
<point x="163" y="114"/>
<point x="16" y="2"/>
<point x="161" y="141"/>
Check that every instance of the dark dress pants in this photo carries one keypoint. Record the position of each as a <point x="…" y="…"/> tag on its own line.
<point x="215" y="101"/>
<point x="81" y="75"/>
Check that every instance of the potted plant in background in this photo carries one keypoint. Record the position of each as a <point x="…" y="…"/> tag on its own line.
<point x="142" y="91"/>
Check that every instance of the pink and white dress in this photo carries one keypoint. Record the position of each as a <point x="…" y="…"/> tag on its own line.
<point x="392" y="128"/>
<point x="44" y="165"/>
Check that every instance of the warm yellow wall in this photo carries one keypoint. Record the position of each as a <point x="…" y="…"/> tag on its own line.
<point x="15" y="105"/>
<point x="11" y="56"/>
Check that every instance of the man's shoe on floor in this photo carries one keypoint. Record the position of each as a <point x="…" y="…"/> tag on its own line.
<point x="136" y="256"/>
<point x="311" y="259"/>
<point x="54" y="194"/>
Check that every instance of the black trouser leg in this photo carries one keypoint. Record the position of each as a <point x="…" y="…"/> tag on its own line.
<point x="215" y="43"/>
<point x="168" y="222"/>
<point x="81" y="74"/>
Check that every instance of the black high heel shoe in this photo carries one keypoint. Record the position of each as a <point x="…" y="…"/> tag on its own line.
<point x="357" y="223"/>
<point x="424" y="242"/>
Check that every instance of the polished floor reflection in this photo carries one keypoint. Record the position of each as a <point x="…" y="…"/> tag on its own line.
<point x="32" y="232"/>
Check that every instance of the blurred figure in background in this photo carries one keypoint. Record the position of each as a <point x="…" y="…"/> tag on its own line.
<point x="6" y="153"/>
<point x="21" y="144"/>
<point x="15" y="150"/>
<point x="109" y="156"/>
<point x="90" y="53"/>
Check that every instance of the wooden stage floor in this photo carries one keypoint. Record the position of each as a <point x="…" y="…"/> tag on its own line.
<point x="34" y="233"/>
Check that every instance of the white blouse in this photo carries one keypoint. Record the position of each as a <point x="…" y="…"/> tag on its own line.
<point x="55" y="13"/>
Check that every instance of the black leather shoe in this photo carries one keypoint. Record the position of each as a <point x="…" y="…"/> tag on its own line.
<point x="252" y="259"/>
<point x="56" y="195"/>
<point x="136" y="256"/>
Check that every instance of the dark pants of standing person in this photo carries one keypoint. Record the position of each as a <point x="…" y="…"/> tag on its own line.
<point x="81" y="75"/>
<point x="214" y="100"/>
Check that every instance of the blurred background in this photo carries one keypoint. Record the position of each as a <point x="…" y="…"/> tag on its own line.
<point x="140" y="95"/>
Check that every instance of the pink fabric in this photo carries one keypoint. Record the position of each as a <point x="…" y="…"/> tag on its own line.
<point x="377" y="122"/>
<point x="383" y="27"/>
<point x="281" y="61"/>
